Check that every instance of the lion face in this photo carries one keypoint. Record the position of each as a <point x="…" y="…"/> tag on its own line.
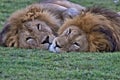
<point x="31" y="27"/>
<point x="32" y="34"/>
<point x="72" y="39"/>
<point x="35" y="34"/>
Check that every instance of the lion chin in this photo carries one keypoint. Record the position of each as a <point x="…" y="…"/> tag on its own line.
<point x="95" y="30"/>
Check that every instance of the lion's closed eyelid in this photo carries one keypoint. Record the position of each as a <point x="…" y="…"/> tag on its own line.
<point x="68" y="32"/>
<point x="39" y="26"/>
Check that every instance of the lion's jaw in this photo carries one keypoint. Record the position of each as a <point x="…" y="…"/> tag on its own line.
<point x="72" y="39"/>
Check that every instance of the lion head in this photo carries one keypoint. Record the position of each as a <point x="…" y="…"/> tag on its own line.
<point x="94" y="30"/>
<point x="31" y="27"/>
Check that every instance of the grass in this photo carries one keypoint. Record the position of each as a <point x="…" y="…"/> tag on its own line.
<point x="34" y="64"/>
<point x="22" y="64"/>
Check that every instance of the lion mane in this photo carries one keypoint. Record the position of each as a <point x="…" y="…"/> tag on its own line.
<point x="96" y="29"/>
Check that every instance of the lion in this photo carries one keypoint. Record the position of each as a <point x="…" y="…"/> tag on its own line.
<point x="35" y="26"/>
<point x="96" y="29"/>
<point x="30" y="27"/>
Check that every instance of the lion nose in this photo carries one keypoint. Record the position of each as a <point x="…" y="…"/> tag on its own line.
<point x="57" y="45"/>
<point x="46" y="40"/>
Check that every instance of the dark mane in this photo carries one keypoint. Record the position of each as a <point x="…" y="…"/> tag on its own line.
<point x="110" y="14"/>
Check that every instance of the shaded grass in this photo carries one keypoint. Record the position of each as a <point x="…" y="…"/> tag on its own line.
<point x="34" y="64"/>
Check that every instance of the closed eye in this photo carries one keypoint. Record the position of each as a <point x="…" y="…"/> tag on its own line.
<point x="39" y="26"/>
<point x="69" y="31"/>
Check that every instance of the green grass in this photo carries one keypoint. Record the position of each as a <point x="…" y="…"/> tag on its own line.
<point x="34" y="64"/>
<point x="22" y="64"/>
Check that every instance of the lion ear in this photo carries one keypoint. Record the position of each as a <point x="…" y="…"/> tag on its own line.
<point x="3" y="34"/>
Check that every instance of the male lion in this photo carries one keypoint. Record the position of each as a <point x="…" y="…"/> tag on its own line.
<point x="31" y="27"/>
<point x="95" y="30"/>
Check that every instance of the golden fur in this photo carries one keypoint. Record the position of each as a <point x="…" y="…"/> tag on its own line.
<point x="96" y="29"/>
<point x="31" y="27"/>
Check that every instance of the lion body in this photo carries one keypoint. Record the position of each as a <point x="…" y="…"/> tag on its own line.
<point x="63" y="9"/>
<point x="98" y="29"/>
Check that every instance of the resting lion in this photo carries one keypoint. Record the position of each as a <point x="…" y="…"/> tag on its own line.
<point x="95" y="30"/>
<point x="34" y="26"/>
<point x="31" y="27"/>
